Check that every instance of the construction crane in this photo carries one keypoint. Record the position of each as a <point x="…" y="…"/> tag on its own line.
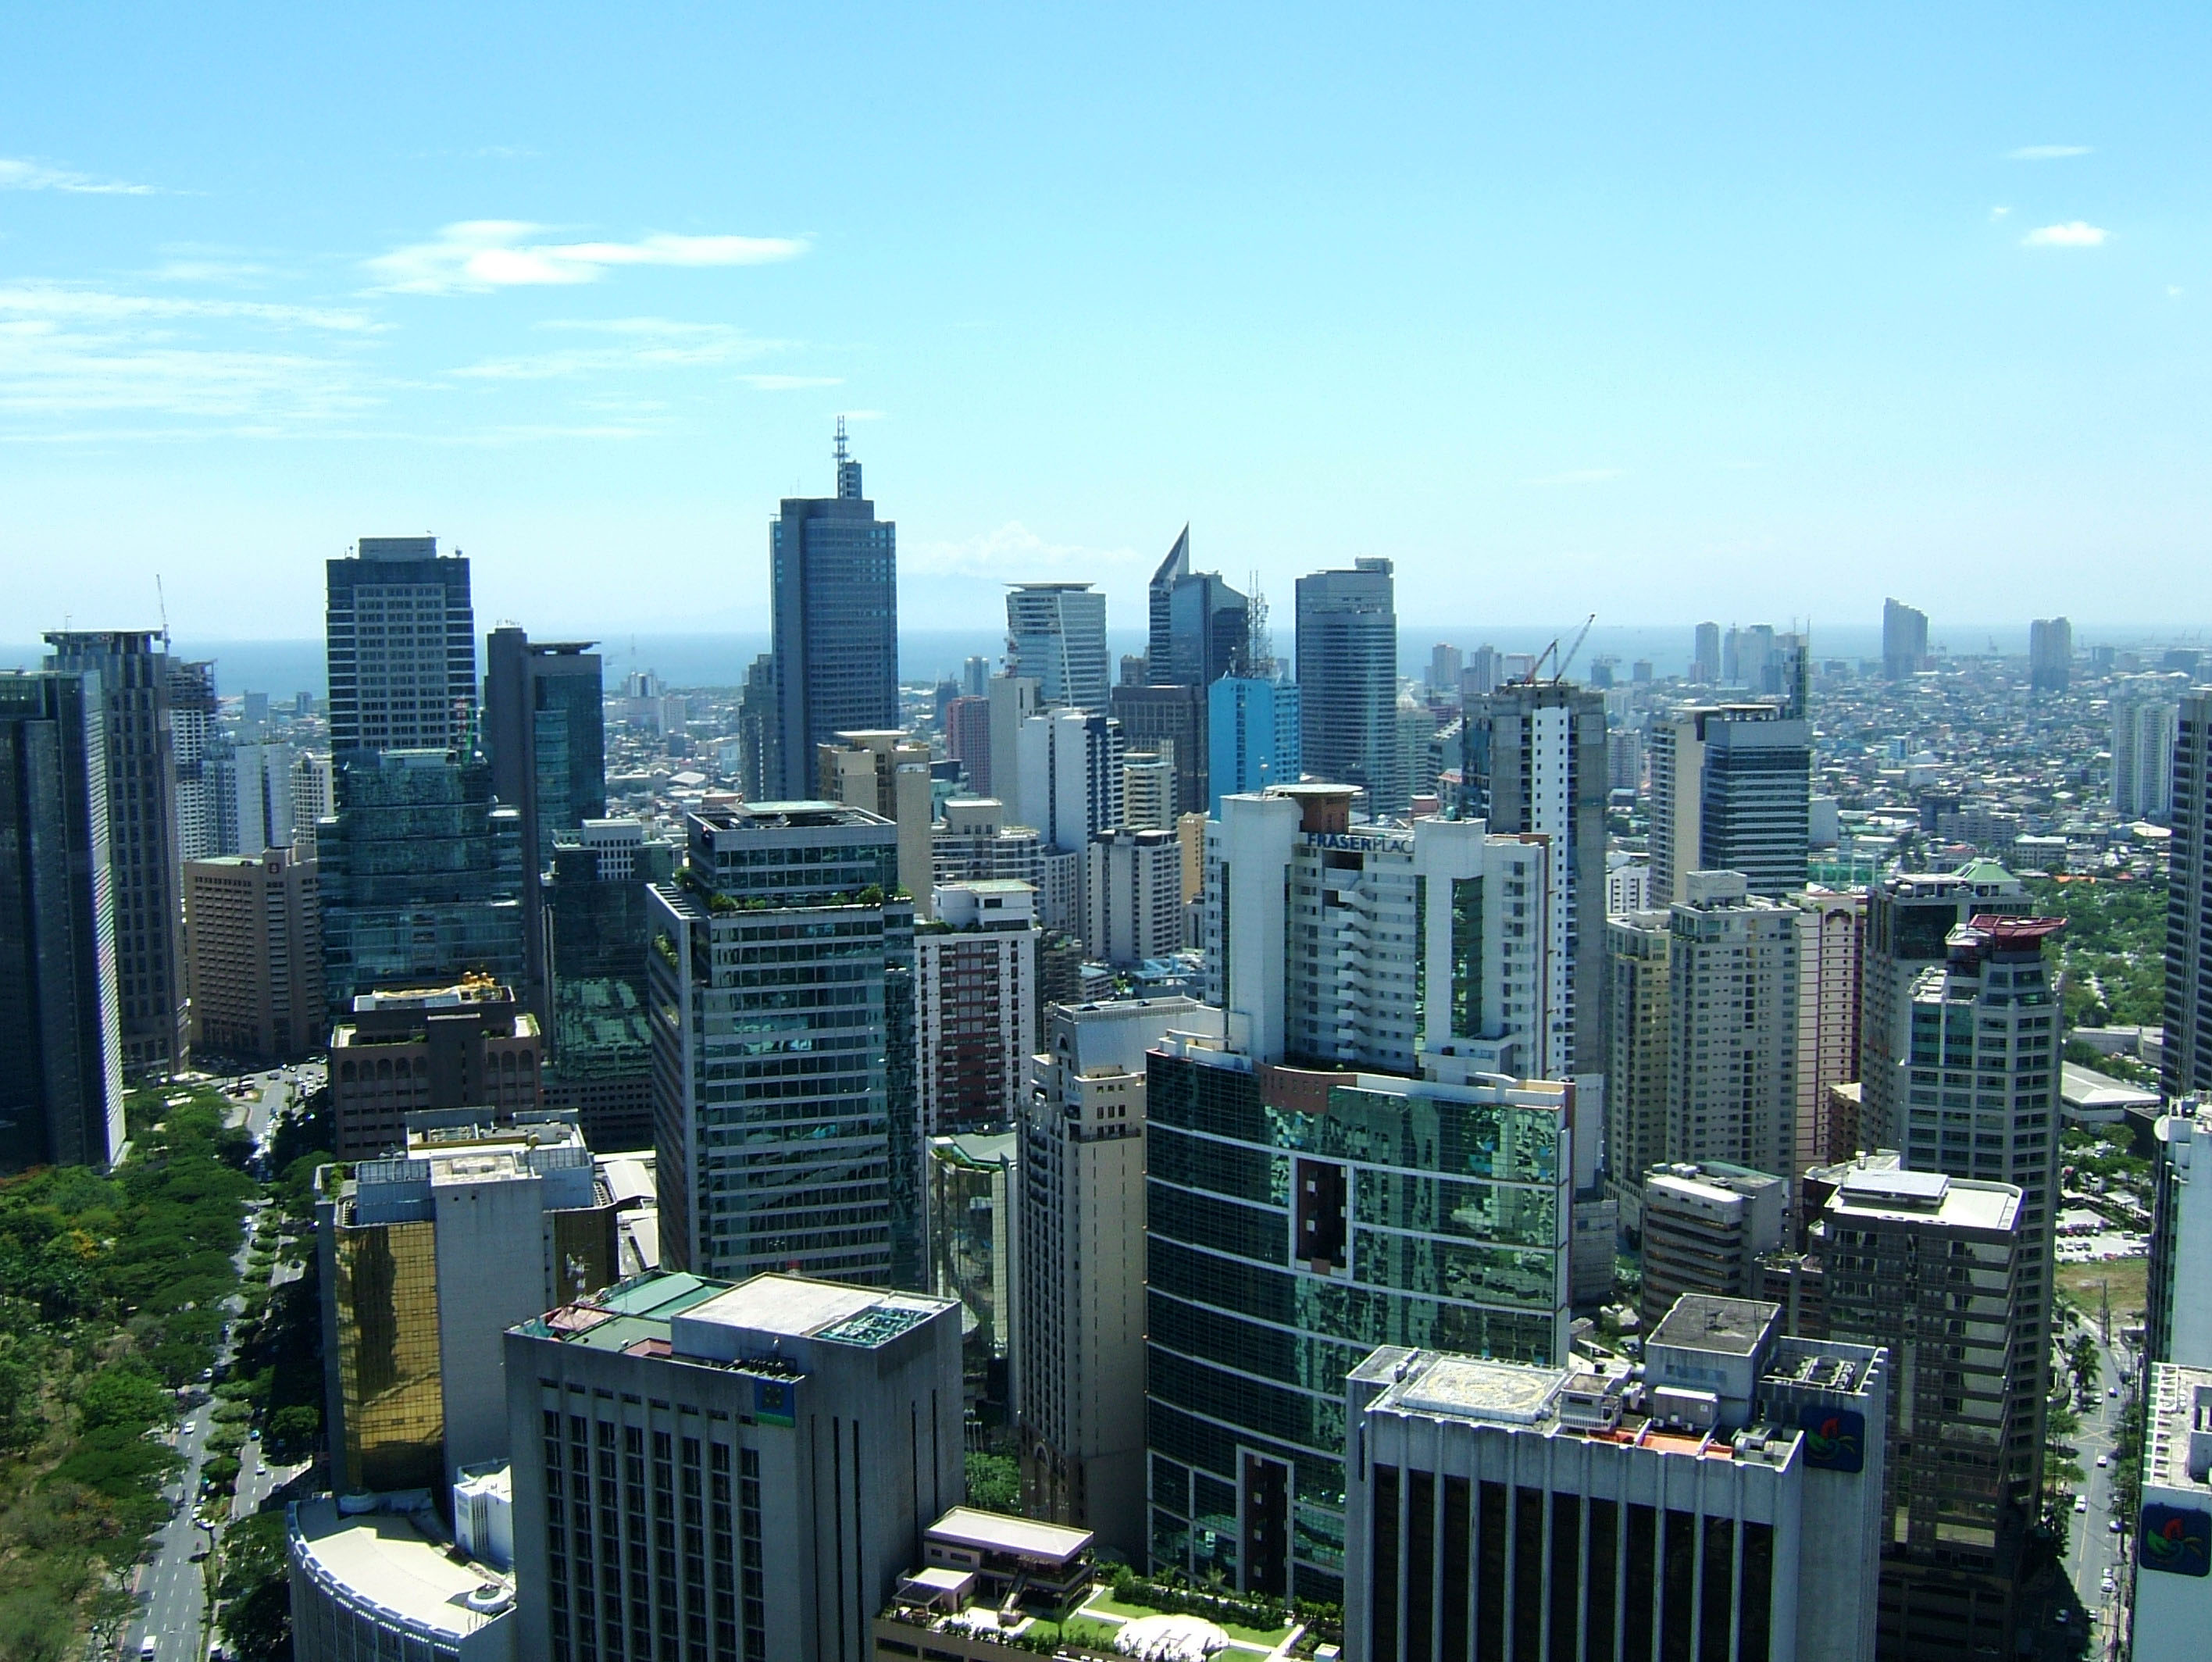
<point x="1536" y="669"/>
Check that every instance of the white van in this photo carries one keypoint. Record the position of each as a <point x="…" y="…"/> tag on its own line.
<point x="148" y="1647"/>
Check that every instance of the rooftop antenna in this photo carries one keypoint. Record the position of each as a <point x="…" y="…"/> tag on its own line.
<point x="163" y="599"/>
<point x="841" y="457"/>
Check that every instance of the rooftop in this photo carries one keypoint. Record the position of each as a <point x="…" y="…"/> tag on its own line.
<point x="994" y="1532"/>
<point x="2180" y="1425"/>
<point x="384" y="1560"/>
<point x="1874" y="1187"/>
<point x="798" y="1308"/>
<point x="1727" y="1325"/>
<point x="1506" y="1392"/>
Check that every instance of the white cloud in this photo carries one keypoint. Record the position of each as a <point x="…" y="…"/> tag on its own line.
<point x="1012" y="554"/>
<point x="1577" y="476"/>
<point x="2047" y="152"/>
<point x="19" y="175"/>
<point x="477" y="256"/>
<point x="86" y="351"/>
<point x="2074" y="234"/>
<point x="1998" y="213"/>
<point x="36" y="299"/>
<point x="638" y="343"/>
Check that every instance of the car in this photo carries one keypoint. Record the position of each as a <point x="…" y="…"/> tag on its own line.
<point x="2114" y="1527"/>
<point x="2081" y="1503"/>
<point x="2106" y="1585"/>
<point x="2061" y="1618"/>
<point x="2104" y="1459"/>
<point x="2112" y="1391"/>
<point x="149" y="1646"/>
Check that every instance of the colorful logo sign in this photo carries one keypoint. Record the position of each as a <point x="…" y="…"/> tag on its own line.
<point x="2175" y="1541"/>
<point x="772" y="1402"/>
<point x="1835" y="1438"/>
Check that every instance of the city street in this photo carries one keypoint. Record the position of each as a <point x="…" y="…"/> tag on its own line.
<point x="174" y="1581"/>
<point x="2092" y="1547"/>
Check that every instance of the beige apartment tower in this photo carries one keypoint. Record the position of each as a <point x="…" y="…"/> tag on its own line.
<point x="254" y="956"/>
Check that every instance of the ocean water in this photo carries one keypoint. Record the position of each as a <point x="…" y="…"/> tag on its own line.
<point x="282" y="668"/>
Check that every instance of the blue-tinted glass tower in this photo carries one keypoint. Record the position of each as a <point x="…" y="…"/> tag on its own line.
<point x="834" y="569"/>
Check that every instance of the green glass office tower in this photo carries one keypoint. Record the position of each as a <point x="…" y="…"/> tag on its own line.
<point x="1297" y="1219"/>
<point x="598" y="925"/>
<point x="786" y="1115"/>
<point x="421" y="876"/>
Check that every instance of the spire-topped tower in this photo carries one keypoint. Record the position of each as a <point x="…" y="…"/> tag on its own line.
<point x="848" y="470"/>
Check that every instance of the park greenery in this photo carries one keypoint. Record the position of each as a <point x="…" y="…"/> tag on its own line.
<point x="2113" y="950"/>
<point x="111" y="1293"/>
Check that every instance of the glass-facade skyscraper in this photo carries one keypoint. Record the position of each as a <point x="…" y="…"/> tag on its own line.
<point x="787" y="1116"/>
<point x="1347" y="658"/>
<point x="834" y="571"/>
<point x="420" y="877"/>
<point x="61" y="1064"/>
<point x="134" y="671"/>
<point x="1297" y="1219"/>
<point x="545" y="735"/>
<point x="1056" y="636"/>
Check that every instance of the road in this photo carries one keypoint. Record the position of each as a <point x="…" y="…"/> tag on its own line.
<point x="2092" y="1548"/>
<point x="171" y="1581"/>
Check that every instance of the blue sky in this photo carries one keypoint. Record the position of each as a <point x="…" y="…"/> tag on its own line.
<point x="1717" y="314"/>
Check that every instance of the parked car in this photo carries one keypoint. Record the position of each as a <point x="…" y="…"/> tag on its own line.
<point x="2081" y="1503"/>
<point x="2104" y="1459"/>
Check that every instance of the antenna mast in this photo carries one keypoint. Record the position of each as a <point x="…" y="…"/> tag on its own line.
<point x="163" y="599"/>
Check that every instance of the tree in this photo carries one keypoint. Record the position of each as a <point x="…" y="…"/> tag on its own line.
<point x="994" y="1483"/>
<point x="256" y="1589"/>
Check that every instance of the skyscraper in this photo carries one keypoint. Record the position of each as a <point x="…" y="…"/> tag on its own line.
<point x="1253" y="737"/>
<point x="420" y="877"/>
<point x="1705" y="656"/>
<point x="601" y="1040"/>
<point x="975" y="968"/>
<point x="888" y="774"/>
<point x="402" y="644"/>
<point x="1535" y="766"/>
<point x="1981" y="1102"/>
<point x="806" y="1433"/>
<point x="1133" y="894"/>
<point x="1200" y="625"/>
<point x="1639" y="1050"/>
<point x="1730" y="1510"/>
<point x="1080" y="1323"/>
<point x="1341" y="944"/>
<point x="61" y="1062"/>
<point x="2146" y="710"/>
<point x="787" y="1125"/>
<point x="2050" y="654"/>
<point x="833" y="570"/>
<point x="1830" y="957"/>
<point x="1056" y="636"/>
<point x="1732" y="1026"/>
<point x="1170" y="719"/>
<point x="545" y="735"/>
<point x="1909" y="918"/>
<point x="427" y="1259"/>
<point x="1731" y="790"/>
<point x="1904" y="641"/>
<point x="256" y="957"/>
<point x="199" y="744"/>
<point x="133" y="669"/>
<point x="1897" y="1246"/>
<point x="1347" y="658"/>
<point x="1297" y="1219"/>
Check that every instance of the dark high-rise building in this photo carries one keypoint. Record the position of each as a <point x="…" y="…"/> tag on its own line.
<point x="1904" y="641"/>
<point x="1200" y="627"/>
<point x="2187" y="1063"/>
<point x="420" y="875"/>
<point x="1160" y="595"/>
<point x="760" y="733"/>
<point x="1536" y="764"/>
<point x="545" y="735"/>
<point x="1170" y="718"/>
<point x="1909" y="918"/>
<point x="599" y="1040"/>
<point x="402" y="645"/>
<point x="834" y="567"/>
<point x="1347" y="659"/>
<point x="133" y="669"/>
<point x="61" y="1064"/>
<point x="1731" y="790"/>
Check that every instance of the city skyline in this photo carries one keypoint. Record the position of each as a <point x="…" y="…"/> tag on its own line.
<point x="1606" y="304"/>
